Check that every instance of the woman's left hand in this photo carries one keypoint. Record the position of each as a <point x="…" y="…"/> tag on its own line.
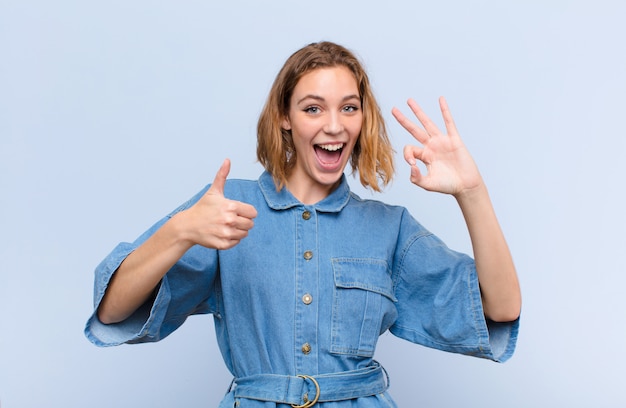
<point x="450" y="167"/>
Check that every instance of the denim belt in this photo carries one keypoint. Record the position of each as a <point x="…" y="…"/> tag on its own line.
<point x="304" y="391"/>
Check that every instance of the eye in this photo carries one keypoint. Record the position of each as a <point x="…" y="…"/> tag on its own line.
<point x="350" y="108"/>
<point x="312" y="110"/>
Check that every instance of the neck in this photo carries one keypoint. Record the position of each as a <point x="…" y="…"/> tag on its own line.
<point x="311" y="193"/>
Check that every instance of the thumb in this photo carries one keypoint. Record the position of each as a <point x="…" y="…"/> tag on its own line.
<point x="220" y="178"/>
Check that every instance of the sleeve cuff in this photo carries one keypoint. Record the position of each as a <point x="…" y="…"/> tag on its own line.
<point x="141" y="326"/>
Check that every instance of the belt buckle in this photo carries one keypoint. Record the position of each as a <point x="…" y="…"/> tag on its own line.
<point x="307" y="403"/>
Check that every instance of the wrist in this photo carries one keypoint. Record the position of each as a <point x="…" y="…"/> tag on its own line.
<point x="477" y="193"/>
<point x="179" y="231"/>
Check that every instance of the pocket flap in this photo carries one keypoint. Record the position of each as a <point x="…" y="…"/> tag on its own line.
<point x="369" y="274"/>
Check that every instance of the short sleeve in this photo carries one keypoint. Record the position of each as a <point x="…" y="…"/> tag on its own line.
<point x="189" y="287"/>
<point x="439" y="302"/>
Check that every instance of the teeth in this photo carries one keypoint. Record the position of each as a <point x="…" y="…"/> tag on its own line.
<point x="331" y="147"/>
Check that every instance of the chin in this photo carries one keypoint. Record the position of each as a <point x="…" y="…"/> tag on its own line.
<point x="329" y="179"/>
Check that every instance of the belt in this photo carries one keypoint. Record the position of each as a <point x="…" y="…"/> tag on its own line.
<point x="304" y="391"/>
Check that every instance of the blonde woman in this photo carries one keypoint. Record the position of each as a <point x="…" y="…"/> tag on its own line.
<point x="301" y="275"/>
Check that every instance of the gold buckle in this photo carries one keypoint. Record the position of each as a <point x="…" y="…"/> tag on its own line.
<point x="309" y="404"/>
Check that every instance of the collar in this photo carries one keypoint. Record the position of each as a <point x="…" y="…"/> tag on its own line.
<point x="283" y="199"/>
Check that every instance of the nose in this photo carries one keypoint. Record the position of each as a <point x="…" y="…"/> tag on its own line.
<point x="334" y="124"/>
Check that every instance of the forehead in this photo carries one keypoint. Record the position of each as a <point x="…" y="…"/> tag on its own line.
<point x="338" y="79"/>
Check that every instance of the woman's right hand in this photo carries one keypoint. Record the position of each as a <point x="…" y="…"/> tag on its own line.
<point x="215" y="221"/>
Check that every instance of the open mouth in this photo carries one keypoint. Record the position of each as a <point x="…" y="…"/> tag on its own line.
<point x="329" y="153"/>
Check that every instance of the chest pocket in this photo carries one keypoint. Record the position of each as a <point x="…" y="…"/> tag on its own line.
<point x="363" y="305"/>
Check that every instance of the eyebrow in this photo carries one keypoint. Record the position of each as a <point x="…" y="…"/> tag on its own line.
<point x="321" y="99"/>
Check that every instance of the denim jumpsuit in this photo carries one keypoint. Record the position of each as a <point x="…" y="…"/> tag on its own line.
<point x="299" y="304"/>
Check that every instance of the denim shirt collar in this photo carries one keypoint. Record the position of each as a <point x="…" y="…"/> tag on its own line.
<point x="283" y="199"/>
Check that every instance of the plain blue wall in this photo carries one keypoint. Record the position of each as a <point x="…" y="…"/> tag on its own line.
<point x="112" y="113"/>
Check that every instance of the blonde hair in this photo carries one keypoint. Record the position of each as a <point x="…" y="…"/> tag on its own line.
<point x="372" y="156"/>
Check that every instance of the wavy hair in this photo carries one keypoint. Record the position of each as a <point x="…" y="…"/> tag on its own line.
<point x="372" y="156"/>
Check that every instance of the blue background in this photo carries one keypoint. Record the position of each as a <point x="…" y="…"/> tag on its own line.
<point x="113" y="113"/>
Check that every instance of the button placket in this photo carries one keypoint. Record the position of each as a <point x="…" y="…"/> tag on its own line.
<point x="306" y="291"/>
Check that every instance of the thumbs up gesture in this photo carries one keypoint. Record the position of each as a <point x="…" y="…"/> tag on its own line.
<point x="215" y="221"/>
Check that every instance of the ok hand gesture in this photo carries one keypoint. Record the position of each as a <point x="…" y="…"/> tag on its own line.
<point x="450" y="167"/>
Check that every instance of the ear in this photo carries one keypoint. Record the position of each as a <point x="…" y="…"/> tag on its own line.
<point x="286" y="125"/>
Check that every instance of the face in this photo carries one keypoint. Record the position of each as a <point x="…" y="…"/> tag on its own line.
<point x="325" y="120"/>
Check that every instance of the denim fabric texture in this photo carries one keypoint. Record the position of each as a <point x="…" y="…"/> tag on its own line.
<point x="311" y="289"/>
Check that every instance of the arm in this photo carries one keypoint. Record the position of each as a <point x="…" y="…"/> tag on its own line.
<point x="451" y="170"/>
<point x="213" y="222"/>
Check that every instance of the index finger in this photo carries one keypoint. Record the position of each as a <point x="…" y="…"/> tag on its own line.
<point x="246" y="210"/>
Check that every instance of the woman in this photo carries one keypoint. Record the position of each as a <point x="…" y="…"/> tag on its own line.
<point x="302" y="275"/>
